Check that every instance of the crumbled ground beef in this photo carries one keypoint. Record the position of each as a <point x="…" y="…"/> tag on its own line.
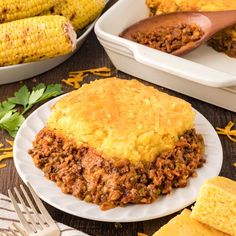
<point x="223" y="44"/>
<point x="169" y="38"/>
<point x="86" y="174"/>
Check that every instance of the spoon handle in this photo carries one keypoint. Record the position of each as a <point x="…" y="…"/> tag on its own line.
<point x="221" y="19"/>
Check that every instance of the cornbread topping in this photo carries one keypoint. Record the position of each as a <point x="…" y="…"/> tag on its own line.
<point x="183" y="224"/>
<point x="216" y="205"/>
<point x="122" y="118"/>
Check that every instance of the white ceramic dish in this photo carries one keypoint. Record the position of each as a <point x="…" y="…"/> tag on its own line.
<point x="204" y="73"/>
<point x="50" y="193"/>
<point x="13" y="73"/>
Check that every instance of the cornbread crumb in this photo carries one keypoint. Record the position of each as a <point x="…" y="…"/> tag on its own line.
<point x="122" y="118"/>
<point x="184" y="225"/>
<point x="216" y="205"/>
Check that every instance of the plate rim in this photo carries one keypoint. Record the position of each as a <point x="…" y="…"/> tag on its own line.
<point x="92" y="217"/>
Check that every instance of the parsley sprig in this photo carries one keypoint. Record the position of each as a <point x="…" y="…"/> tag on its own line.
<point x="11" y="118"/>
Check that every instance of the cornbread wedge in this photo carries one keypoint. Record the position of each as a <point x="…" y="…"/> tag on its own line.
<point x="216" y="205"/>
<point x="11" y="10"/>
<point x="184" y="225"/>
<point x="224" y="41"/>
<point x="35" y="38"/>
<point x="79" y="12"/>
<point x="114" y="142"/>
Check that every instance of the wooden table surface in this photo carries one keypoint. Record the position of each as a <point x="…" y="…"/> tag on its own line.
<point x="92" y="55"/>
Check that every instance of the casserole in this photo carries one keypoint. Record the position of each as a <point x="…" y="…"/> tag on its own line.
<point x="199" y="74"/>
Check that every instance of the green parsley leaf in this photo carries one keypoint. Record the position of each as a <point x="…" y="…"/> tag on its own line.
<point x="52" y="90"/>
<point x="10" y="118"/>
<point x="39" y="86"/>
<point x="11" y="122"/>
<point x="21" y="97"/>
<point x="6" y="106"/>
<point x="35" y="96"/>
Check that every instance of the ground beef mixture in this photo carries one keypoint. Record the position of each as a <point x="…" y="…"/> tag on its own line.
<point x="169" y="39"/>
<point x="224" y="44"/>
<point x="109" y="182"/>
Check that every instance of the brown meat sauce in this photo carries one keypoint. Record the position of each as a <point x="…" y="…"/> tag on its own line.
<point x="89" y="176"/>
<point x="171" y="38"/>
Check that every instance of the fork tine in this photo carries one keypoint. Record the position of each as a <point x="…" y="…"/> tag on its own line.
<point x="17" y="227"/>
<point x="38" y="217"/>
<point x="19" y="213"/>
<point x="12" y="231"/>
<point x="34" y="226"/>
<point x="41" y="207"/>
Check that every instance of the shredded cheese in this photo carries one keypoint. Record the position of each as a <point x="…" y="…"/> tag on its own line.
<point x="234" y="164"/>
<point x="75" y="77"/>
<point x="6" y="152"/>
<point x="141" y="234"/>
<point x="228" y="131"/>
<point x="6" y="155"/>
<point x="3" y="166"/>
<point x="10" y="142"/>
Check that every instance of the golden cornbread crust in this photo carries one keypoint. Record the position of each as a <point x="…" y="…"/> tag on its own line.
<point x="163" y="6"/>
<point x="216" y="204"/>
<point x="123" y="119"/>
<point x="184" y="225"/>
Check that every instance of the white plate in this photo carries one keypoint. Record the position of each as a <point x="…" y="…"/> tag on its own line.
<point x="50" y="193"/>
<point x="13" y="73"/>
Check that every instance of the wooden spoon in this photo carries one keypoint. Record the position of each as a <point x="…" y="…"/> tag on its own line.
<point x="209" y="22"/>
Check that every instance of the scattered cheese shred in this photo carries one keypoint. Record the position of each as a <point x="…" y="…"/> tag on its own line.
<point x="228" y="131"/>
<point x="3" y="166"/>
<point x="7" y="152"/>
<point x="75" y="77"/>
<point x="5" y="149"/>
<point x="141" y="234"/>
<point x="6" y="155"/>
<point x="10" y="142"/>
<point x="234" y="164"/>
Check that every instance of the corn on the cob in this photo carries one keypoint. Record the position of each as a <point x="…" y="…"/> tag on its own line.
<point x="35" y="38"/>
<point x="79" y="12"/>
<point x="14" y="10"/>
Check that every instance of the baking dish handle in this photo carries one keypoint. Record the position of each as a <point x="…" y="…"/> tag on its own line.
<point x="181" y="67"/>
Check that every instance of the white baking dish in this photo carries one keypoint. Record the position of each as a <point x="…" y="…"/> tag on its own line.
<point x="204" y="74"/>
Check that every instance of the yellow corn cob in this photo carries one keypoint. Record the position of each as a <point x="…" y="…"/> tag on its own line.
<point x="35" y="38"/>
<point x="79" y="12"/>
<point x="14" y="10"/>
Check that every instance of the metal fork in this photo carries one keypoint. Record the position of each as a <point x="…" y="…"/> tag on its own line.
<point x="37" y="224"/>
<point x="14" y="230"/>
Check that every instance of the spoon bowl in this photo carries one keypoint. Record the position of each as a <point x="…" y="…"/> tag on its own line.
<point x="209" y="22"/>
